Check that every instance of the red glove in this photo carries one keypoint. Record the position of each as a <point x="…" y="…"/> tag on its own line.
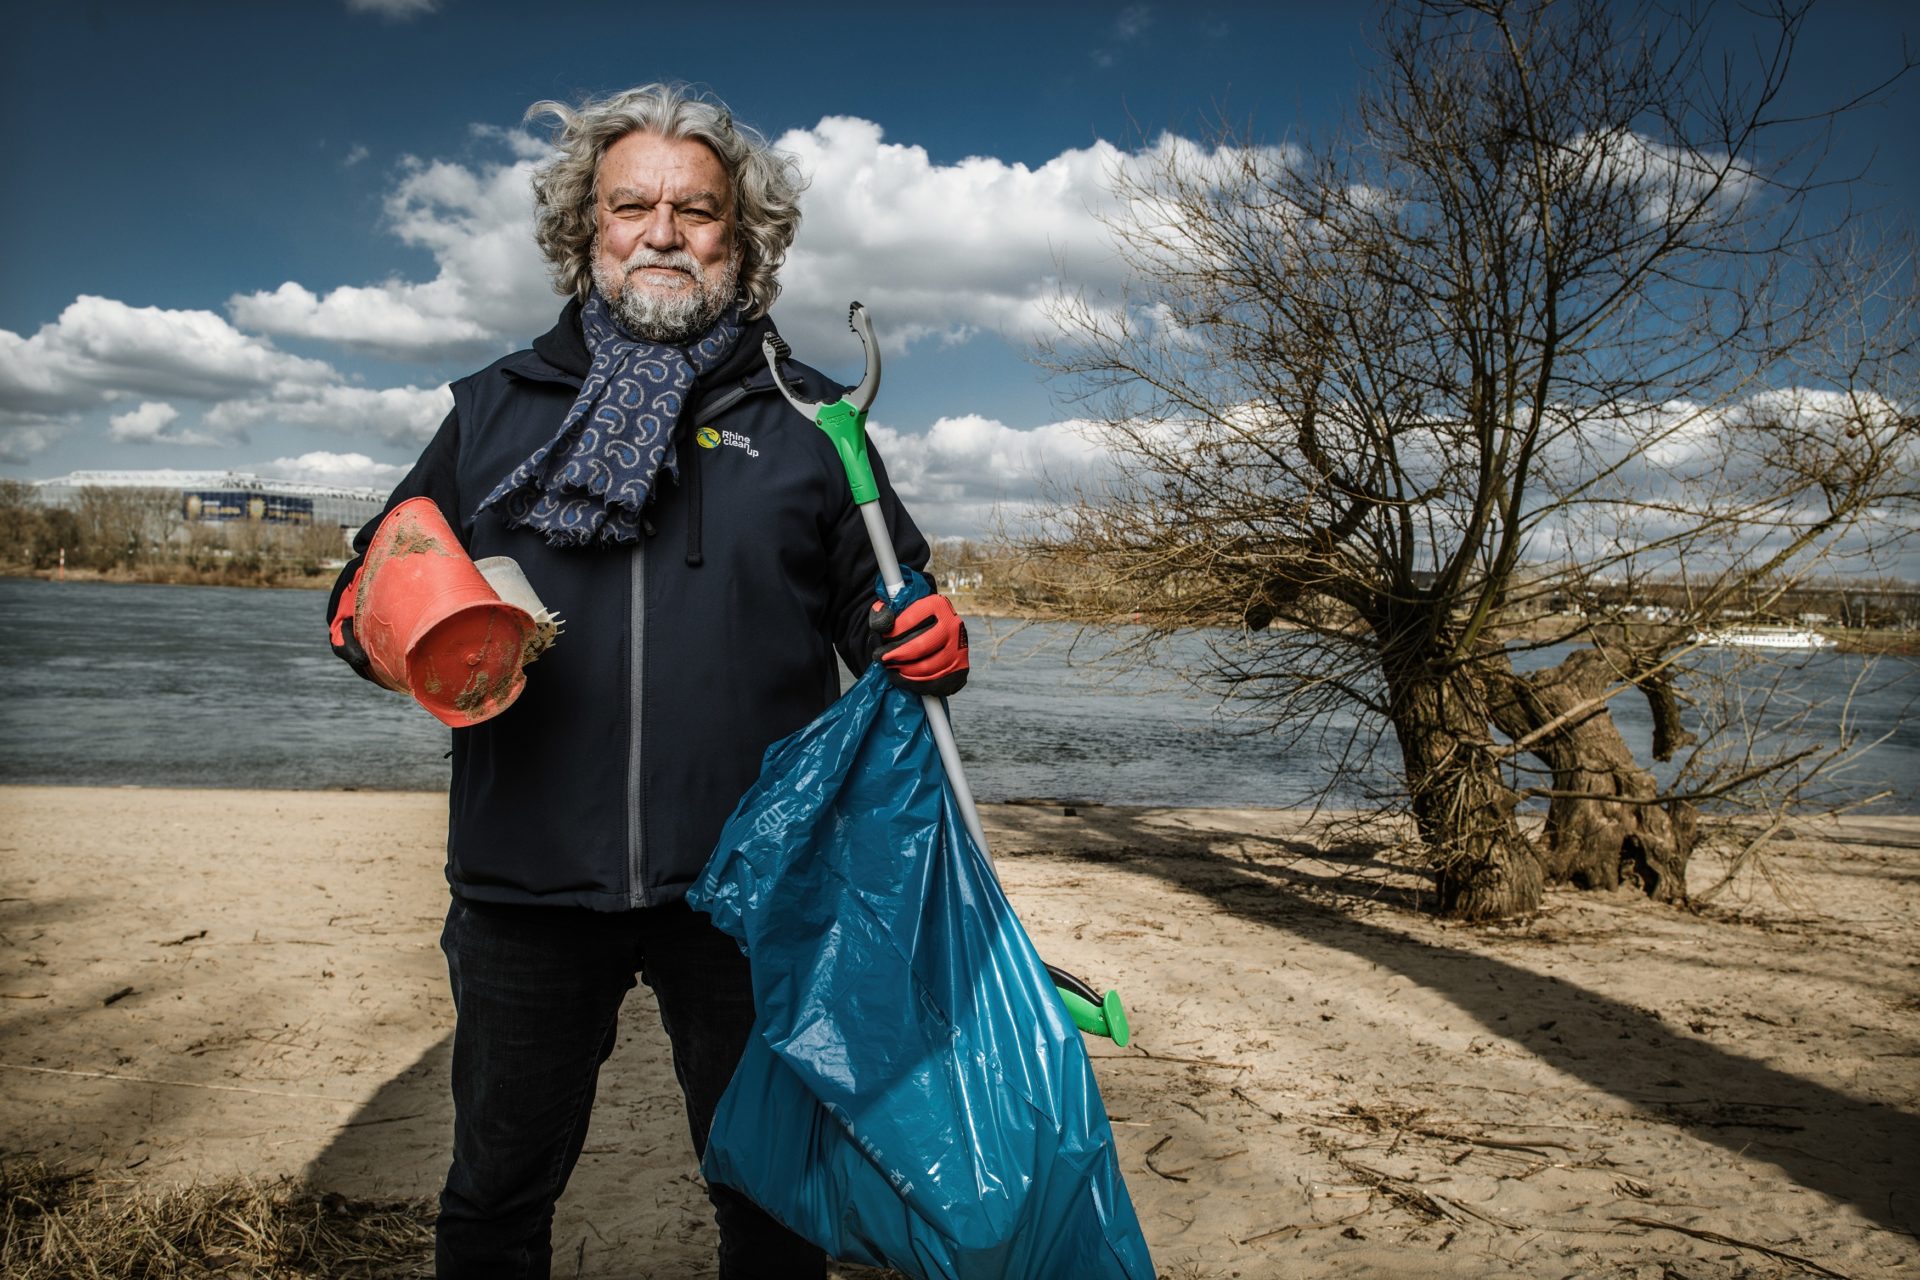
<point x="925" y="649"/>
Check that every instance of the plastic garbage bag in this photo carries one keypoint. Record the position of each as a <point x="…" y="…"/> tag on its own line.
<point x="915" y="1095"/>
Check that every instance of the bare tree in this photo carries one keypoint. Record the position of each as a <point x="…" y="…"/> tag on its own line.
<point x="19" y="521"/>
<point x="125" y="528"/>
<point x="1549" y="317"/>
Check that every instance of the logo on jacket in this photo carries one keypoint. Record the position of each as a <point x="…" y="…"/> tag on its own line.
<point x="708" y="438"/>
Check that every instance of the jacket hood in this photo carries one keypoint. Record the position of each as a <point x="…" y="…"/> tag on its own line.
<point x="564" y="346"/>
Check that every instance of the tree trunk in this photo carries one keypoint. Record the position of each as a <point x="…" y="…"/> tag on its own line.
<point x="1603" y="827"/>
<point x="1484" y="866"/>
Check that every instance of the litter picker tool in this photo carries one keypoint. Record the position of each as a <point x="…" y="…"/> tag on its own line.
<point x="845" y="422"/>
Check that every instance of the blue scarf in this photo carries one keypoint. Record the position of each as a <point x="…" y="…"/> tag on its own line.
<point x="587" y="486"/>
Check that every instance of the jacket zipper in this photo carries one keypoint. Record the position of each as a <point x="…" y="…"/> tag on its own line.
<point x="636" y="690"/>
<point x="636" y="729"/>
<point x="718" y="406"/>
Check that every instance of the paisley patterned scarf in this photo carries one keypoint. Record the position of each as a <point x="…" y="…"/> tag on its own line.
<point x="587" y="486"/>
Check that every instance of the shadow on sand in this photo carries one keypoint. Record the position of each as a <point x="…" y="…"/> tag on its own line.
<point x="1854" y="1150"/>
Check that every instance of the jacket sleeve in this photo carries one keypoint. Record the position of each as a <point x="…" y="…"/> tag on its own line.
<point x="854" y="570"/>
<point x="433" y="476"/>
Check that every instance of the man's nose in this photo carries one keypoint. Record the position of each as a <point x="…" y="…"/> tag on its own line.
<point x="662" y="229"/>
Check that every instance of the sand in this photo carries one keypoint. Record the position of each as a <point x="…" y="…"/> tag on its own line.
<point x="1324" y="1081"/>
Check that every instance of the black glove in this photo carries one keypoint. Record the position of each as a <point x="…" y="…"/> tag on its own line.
<point x="350" y="651"/>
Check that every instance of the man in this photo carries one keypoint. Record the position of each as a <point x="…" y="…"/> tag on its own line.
<point x="699" y="539"/>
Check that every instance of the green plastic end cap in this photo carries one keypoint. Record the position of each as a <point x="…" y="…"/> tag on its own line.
<point x="1116" y="1019"/>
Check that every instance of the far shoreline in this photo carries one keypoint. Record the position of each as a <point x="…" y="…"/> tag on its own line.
<point x="1872" y="644"/>
<point x="182" y="576"/>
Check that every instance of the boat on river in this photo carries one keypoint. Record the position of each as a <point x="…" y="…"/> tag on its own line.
<point x="1785" y="639"/>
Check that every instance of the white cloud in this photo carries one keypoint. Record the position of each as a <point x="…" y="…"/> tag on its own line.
<point x="490" y="291"/>
<point x="969" y="474"/>
<point x="1128" y="26"/>
<point x="101" y="349"/>
<point x="394" y="10"/>
<point x="103" y="353"/>
<point x="942" y="251"/>
<point x="945" y="250"/>
<point x="401" y="416"/>
<point x="144" y="423"/>
<point x="355" y="155"/>
<point x="522" y="144"/>
<point x="149" y="423"/>
<point x="1667" y="181"/>
<point x="24" y="436"/>
<point x="394" y="319"/>
<point x="348" y="470"/>
<point x="1132" y="22"/>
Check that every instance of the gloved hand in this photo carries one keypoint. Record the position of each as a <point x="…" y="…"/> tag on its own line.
<point x="347" y="647"/>
<point x="925" y="645"/>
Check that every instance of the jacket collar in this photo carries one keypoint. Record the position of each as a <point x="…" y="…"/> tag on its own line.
<point x="560" y="355"/>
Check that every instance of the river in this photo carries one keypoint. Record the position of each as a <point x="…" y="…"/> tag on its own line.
<point x="164" y="686"/>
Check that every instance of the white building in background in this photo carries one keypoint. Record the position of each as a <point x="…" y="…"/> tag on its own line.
<point x="218" y="497"/>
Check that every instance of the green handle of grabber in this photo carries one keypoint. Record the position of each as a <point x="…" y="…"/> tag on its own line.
<point x="846" y="426"/>
<point x="1092" y="1012"/>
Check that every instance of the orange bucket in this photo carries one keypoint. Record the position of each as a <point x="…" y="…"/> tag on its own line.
<point x="432" y="626"/>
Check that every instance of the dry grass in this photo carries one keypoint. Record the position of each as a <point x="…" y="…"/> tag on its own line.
<point x="56" y="1225"/>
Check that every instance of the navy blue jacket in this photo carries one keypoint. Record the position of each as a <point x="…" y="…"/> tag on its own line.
<point x="683" y="658"/>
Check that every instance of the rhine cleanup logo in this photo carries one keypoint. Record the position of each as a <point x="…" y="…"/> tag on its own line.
<point x="708" y="438"/>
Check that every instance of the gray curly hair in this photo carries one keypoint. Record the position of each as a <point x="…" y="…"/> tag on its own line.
<point x="766" y="183"/>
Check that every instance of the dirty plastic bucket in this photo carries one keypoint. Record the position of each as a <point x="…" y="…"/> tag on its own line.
<point x="433" y="626"/>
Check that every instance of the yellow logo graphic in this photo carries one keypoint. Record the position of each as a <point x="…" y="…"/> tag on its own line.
<point x="707" y="437"/>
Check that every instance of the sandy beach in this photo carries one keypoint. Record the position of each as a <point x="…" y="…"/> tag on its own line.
<point x="1324" y="1080"/>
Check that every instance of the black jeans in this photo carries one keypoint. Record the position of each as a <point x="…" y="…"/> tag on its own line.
<point x="536" y="991"/>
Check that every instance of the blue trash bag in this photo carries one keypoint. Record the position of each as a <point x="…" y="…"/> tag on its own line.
<point x="914" y="1094"/>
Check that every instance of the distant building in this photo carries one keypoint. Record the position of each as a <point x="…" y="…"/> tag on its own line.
<point x="220" y="497"/>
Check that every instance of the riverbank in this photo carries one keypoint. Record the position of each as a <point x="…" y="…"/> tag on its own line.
<point x="969" y="604"/>
<point x="195" y="984"/>
<point x="181" y="575"/>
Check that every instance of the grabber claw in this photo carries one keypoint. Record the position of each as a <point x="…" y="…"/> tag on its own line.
<point x="861" y="397"/>
<point x="858" y="400"/>
<point x="845" y="419"/>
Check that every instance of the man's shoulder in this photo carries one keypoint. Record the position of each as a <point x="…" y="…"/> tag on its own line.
<point x="510" y="372"/>
<point x="526" y="363"/>
<point x="747" y="366"/>
<point x="811" y="384"/>
<point x="559" y="355"/>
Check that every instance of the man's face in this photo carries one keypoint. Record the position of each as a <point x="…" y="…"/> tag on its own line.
<point x="664" y="254"/>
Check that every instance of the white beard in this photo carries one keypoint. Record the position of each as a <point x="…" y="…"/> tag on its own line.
<point x="673" y="316"/>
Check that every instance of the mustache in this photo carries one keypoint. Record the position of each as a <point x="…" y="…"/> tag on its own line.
<point x="673" y="259"/>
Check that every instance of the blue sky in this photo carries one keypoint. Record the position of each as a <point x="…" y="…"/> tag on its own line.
<point x="265" y="236"/>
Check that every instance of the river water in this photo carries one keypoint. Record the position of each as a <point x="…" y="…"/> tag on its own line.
<point x="231" y="687"/>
